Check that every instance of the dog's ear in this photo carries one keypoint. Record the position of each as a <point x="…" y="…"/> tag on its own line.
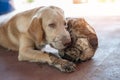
<point x="35" y="29"/>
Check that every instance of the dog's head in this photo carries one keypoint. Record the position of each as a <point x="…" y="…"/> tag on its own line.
<point x="49" y="24"/>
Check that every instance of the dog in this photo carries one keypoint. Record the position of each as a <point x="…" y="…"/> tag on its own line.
<point x="84" y="41"/>
<point x="29" y="31"/>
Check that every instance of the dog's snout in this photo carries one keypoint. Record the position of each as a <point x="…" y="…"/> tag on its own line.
<point x="66" y="41"/>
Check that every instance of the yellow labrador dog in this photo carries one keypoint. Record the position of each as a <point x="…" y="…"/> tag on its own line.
<point x="31" y="30"/>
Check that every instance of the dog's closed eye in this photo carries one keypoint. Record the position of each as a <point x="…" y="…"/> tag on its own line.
<point x="52" y="25"/>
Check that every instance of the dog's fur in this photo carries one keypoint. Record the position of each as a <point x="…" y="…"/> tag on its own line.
<point x="31" y="30"/>
<point x="84" y="41"/>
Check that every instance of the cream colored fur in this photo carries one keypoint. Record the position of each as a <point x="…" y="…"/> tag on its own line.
<point x="33" y="29"/>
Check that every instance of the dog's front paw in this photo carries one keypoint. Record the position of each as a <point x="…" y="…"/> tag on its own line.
<point x="62" y="64"/>
<point x="67" y="66"/>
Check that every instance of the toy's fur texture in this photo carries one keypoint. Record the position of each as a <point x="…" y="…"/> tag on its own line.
<point x="84" y="41"/>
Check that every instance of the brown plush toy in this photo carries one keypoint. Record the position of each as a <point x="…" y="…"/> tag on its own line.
<point x="84" y="41"/>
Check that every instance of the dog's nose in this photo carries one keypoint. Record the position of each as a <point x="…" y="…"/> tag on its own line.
<point x="66" y="41"/>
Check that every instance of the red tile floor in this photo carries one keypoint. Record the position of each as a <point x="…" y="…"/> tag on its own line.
<point x="105" y="65"/>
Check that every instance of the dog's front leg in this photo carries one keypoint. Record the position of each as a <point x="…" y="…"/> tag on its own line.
<point x="27" y="53"/>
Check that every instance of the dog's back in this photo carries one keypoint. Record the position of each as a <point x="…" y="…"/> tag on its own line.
<point x="11" y="25"/>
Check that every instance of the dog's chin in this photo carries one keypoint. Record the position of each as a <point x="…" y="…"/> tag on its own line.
<point x="57" y="46"/>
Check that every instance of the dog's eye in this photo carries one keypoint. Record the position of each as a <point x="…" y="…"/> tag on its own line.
<point x="52" y="25"/>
